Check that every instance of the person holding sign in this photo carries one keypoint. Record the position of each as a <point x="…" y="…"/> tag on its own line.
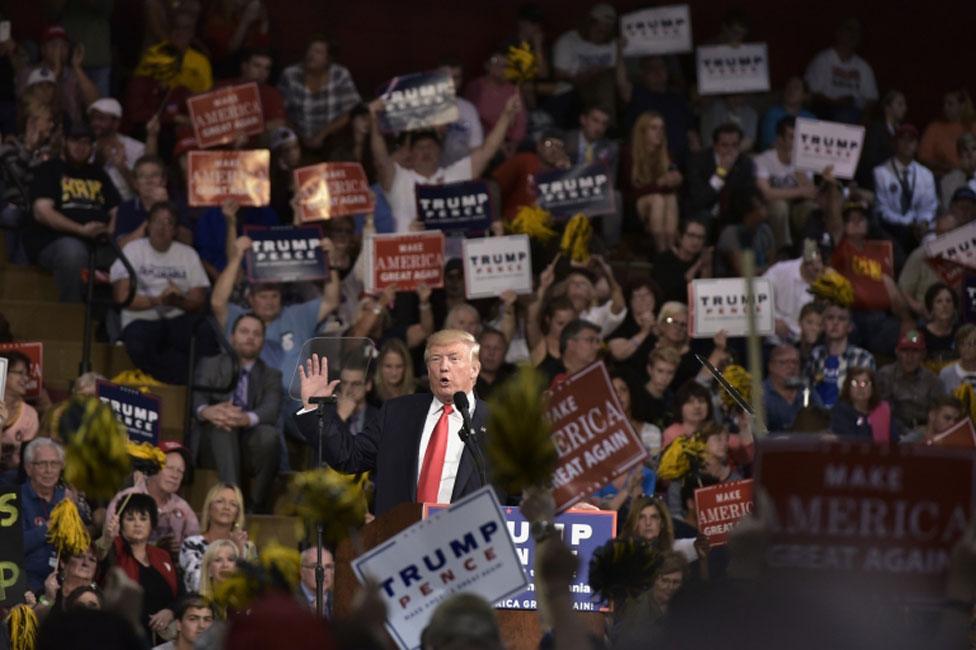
<point x="414" y="445"/>
<point x="425" y="149"/>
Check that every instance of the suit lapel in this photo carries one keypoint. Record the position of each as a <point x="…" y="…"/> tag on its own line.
<point x="419" y="415"/>
<point x="253" y="379"/>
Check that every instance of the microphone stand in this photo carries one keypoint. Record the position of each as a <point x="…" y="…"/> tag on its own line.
<point x="470" y="438"/>
<point x="320" y="404"/>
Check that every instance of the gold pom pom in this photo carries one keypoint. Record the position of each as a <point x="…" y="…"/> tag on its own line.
<point x="22" y="624"/>
<point x="833" y="287"/>
<point x="286" y="561"/>
<point x="338" y="501"/>
<point x="145" y="457"/>
<point x="96" y="457"/>
<point x="680" y="457"/>
<point x="740" y="379"/>
<point x="66" y="532"/>
<point x="534" y="222"/>
<point x="520" y="63"/>
<point x="964" y="393"/>
<point x="520" y="448"/>
<point x="576" y="239"/>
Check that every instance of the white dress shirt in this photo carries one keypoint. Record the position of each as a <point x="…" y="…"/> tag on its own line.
<point x="455" y="446"/>
<point x="789" y="294"/>
<point x="887" y="188"/>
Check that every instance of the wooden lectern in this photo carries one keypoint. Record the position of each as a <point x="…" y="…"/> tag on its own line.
<point x="520" y="629"/>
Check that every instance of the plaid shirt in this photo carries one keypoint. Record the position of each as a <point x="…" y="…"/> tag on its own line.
<point x="852" y="357"/>
<point x="311" y="111"/>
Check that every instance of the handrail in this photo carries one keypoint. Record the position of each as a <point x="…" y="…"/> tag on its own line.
<point x="86" y="365"/>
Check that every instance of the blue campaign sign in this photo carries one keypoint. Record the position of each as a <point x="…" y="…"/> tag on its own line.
<point x="583" y="531"/>
<point x="969" y="298"/>
<point x="465" y="205"/>
<point x="285" y="254"/>
<point x="138" y="412"/>
<point x="421" y="100"/>
<point x="565" y="193"/>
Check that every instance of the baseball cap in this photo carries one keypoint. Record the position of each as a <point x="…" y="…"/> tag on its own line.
<point x="172" y="446"/>
<point x="54" y="32"/>
<point x="603" y="13"/>
<point x="906" y="131"/>
<point x="911" y="340"/>
<point x="108" y="106"/>
<point x="41" y="75"/>
<point x="282" y="136"/>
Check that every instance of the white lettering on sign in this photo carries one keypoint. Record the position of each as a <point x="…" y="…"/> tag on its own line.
<point x="581" y="187"/>
<point x="419" y="96"/>
<point x="133" y="417"/>
<point x="466" y="205"/>
<point x="275" y="250"/>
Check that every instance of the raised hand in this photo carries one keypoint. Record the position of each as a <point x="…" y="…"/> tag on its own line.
<point x="314" y="378"/>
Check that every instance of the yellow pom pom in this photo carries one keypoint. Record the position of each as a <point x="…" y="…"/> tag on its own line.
<point x="286" y="561"/>
<point x="326" y="496"/>
<point x="833" y="287"/>
<point x="964" y="393"/>
<point x="521" y="64"/>
<point x="740" y="379"/>
<point x="66" y="532"/>
<point x="22" y="624"/>
<point x="96" y="457"/>
<point x="534" y="222"/>
<point x="576" y="239"/>
<point x="676" y="461"/>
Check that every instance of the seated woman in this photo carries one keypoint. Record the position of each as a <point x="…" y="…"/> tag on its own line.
<point x="223" y="518"/>
<point x="74" y="573"/>
<point x="219" y="562"/>
<point x="650" y="180"/>
<point x="861" y="413"/>
<point x="650" y="519"/>
<point x="149" y="566"/>
<point x="942" y="306"/>
<point x="21" y="424"/>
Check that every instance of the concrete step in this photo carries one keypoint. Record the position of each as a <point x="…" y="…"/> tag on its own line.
<point x="26" y="283"/>
<point x="41" y="320"/>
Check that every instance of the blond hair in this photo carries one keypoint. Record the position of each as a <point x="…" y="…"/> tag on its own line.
<point x="670" y="309"/>
<point x="450" y="337"/>
<point x="212" y="495"/>
<point x="647" y="165"/>
<point x="214" y="547"/>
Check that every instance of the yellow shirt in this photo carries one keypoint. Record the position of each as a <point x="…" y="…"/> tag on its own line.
<point x="159" y="62"/>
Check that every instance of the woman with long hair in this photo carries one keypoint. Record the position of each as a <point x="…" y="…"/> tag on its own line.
<point x="22" y="423"/>
<point x="942" y="306"/>
<point x="861" y="413"/>
<point x="219" y="562"/>
<point x="394" y="375"/>
<point x="937" y="148"/>
<point x="223" y="518"/>
<point x="650" y="520"/>
<point x="650" y="180"/>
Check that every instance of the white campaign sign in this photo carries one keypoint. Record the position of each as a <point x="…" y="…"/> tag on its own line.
<point x="495" y="264"/>
<point x="465" y="548"/>
<point x="723" y="69"/>
<point x="662" y="30"/>
<point x="818" y="143"/>
<point x="720" y="304"/>
<point x="957" y="246"/>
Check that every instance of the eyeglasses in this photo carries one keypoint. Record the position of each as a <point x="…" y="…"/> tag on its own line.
<point x="861" y="383"/>
<point x="671" y="320"/>
<point x="48" y="464"/>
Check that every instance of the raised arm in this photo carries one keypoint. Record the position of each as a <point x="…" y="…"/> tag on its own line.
<point x="224" y="285"/>
<point x="483" y="154"/>
<point x="385" y="167"/>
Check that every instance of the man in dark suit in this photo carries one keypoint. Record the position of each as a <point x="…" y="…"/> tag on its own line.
<point x="716" y="173"/>
<point x="240" y="425"/>
<point x="589" y="144"/>
<point x="413" y="445"/>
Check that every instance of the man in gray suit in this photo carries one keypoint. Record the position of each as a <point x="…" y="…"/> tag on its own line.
<point x="589" y="144"/>
<point x="240" y="425"/>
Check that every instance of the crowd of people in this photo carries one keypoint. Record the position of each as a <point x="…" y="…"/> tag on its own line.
<point x="94" y="162"/>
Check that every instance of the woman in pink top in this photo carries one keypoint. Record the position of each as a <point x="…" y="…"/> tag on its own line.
<point x="489" y="94"/>
<point x="22" y="423"/>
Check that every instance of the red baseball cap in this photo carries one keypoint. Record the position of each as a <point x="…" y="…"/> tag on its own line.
<point x="172" y="446"/>
<point x="54" y="32"/>
<point x="911" y="340"/>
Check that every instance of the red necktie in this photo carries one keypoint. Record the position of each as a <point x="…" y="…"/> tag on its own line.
<point x="429" y="483"/>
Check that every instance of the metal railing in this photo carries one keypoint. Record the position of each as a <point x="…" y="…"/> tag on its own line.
<point x="91" y="301"/>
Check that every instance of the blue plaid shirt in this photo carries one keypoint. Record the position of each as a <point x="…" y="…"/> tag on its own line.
<point x="311" y="111"/>
<point x="828" y="380"/>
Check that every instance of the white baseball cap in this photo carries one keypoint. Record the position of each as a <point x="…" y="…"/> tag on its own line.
<point x="41" y="75"/>
<point x="108" y="106"/>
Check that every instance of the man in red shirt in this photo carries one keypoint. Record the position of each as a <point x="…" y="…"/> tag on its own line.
<point x="514" y="176"/>
<point x="256" y="66"/>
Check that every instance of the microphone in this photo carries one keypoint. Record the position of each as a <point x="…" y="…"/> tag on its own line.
<point x="461" y="404"/>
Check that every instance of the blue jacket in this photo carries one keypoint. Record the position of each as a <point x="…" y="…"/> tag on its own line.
<point x="38" y="554"/>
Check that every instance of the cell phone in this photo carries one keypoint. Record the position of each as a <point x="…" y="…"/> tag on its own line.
<point x="4" y="31"/>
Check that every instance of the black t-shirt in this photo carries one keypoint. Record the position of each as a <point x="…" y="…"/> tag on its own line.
<point x="82" y="193"/>
<point x="635" y="366"/>
<point x="658" y="411"/>
<point x="669" y="273"/>
<point x="550" y="367"/>
<point x="483" y="389"/>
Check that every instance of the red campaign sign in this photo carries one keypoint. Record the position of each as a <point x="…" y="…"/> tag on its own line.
<point x="592" y="435"/>
<point x="222" y="115"/>
<point x="406" y="260"/>
<point x="950" y="272"/>
<point x="35" y="352"/>
<point x="960" y="435"/>
<point x="866" y="268"/>
<point x="720" y="507"/>
<point x="217" y="176"/>
<point x="865" y="517"/>
<point x="332" y="190"/>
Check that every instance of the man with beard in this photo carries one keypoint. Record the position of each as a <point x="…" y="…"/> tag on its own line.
<point x="239" y="427"/>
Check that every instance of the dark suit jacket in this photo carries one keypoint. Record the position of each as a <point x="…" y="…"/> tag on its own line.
<point x="390" y="445"/>
<point x="263" y="387"/>
<point x="701" y="196"/>
<point x="604" y="150"/>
